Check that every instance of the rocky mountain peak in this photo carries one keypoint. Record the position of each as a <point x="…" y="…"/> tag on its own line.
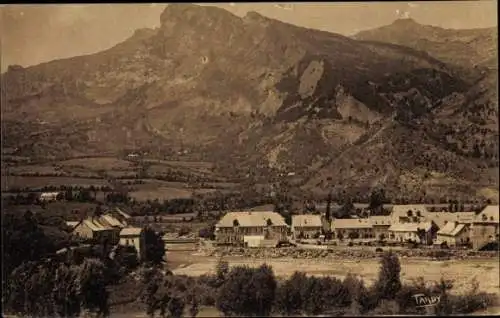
<point x="196" y="15"/>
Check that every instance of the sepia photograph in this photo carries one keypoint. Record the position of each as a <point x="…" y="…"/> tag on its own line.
<point x="240" y="159"/>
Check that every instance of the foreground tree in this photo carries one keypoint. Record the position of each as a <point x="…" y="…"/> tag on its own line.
<point x="23" y="240"/>
<point x="166" y="293"/>
<point x="126" y="258"/>
<point x="65" y="293"/>
<point x="389" y="281"/>
<point x="155" y="247"/>
<point x="247" y="291"/>
<point x="92" y="287"/>
<point x="49" y="289"/>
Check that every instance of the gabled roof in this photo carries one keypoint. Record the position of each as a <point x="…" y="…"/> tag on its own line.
<point x="381" y="220"/>
<point x="112" y="221"/>
<point x="72" y="223"/>
<point x="452" y="229"/>
<point x="123" y="214"/>
<point x="441" y="218"/>
<point x="306" y="220"/>
<point x="410" y="227"/>
<point x="402" y="210"/>
<point x="249" y="219"/>
<point x="490" y="214"/>
<point x="447" y="228"/>
<point x="458" y="229"/>
<point x="101" y="223"/>
<point x="351" y="224"/>
<point x="131" y="231"/>
<point x="95" y="225"/>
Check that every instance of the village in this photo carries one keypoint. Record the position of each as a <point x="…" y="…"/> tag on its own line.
<point x="405" y="226"/>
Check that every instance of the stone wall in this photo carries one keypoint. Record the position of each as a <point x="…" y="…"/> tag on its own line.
<point x="345" y="253"/>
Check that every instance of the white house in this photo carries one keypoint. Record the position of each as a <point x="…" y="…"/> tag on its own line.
<point x="442" y="218"/>
<point x="233" y="227"/>
<point x="100" y="228"/>
<point x="404" y="232"/>
<point x="409" y="213"/>
<point x="352" y="228"/>
<point x="306" y="226"/>
<point x="134" y="236"/>
<point x="485" y="228"/>
<point x="49" y="196"/>
<point x="381" y="224"/>
<point x="453" y="234"/>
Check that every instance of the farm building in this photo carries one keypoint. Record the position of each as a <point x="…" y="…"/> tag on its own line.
<point x="380" y="224"/>
<point x="485" y="227"/>
<point x="134" y="236"/>
<point x="233" y="227"/>
<point x="306" y="226"/>
<point x="404" y="232"/>
<point x="352" y="228"/>
<point x="453" y="234"/>
<point x="101" y="228"/>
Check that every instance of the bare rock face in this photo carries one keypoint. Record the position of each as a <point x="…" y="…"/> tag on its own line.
<point x="310" y="78"/>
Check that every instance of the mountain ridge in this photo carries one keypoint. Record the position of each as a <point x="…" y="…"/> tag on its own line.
<point x="283" y="97"/>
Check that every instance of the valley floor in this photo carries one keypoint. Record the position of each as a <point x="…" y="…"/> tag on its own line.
<point x="461" y="271"/>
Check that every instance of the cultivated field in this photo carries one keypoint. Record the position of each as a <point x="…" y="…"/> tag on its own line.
<point x="87" y="172"/>
<point x="10" y="182"/>
<point x="105" y="163"/>
<point x="461" y="271"/>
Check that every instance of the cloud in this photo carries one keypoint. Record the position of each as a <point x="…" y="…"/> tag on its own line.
<point x="402" y="14"/>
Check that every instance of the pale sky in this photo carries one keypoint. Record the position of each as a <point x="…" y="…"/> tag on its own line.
<point x="32" y="34"/>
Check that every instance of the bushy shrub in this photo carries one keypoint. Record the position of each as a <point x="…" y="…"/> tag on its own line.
<point x="247" y="291"/>
<point x="50" y="289"/>
<point x="389" y="282"/>
<point x="310" y="295"/>
<point x="184" y="230"/>
<point x="207" y="232"/>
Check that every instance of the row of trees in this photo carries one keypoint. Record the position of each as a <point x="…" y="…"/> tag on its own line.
<point x="37" y="281"/>
<point x="256" y="292"/>
<point x="54" y="289"/>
